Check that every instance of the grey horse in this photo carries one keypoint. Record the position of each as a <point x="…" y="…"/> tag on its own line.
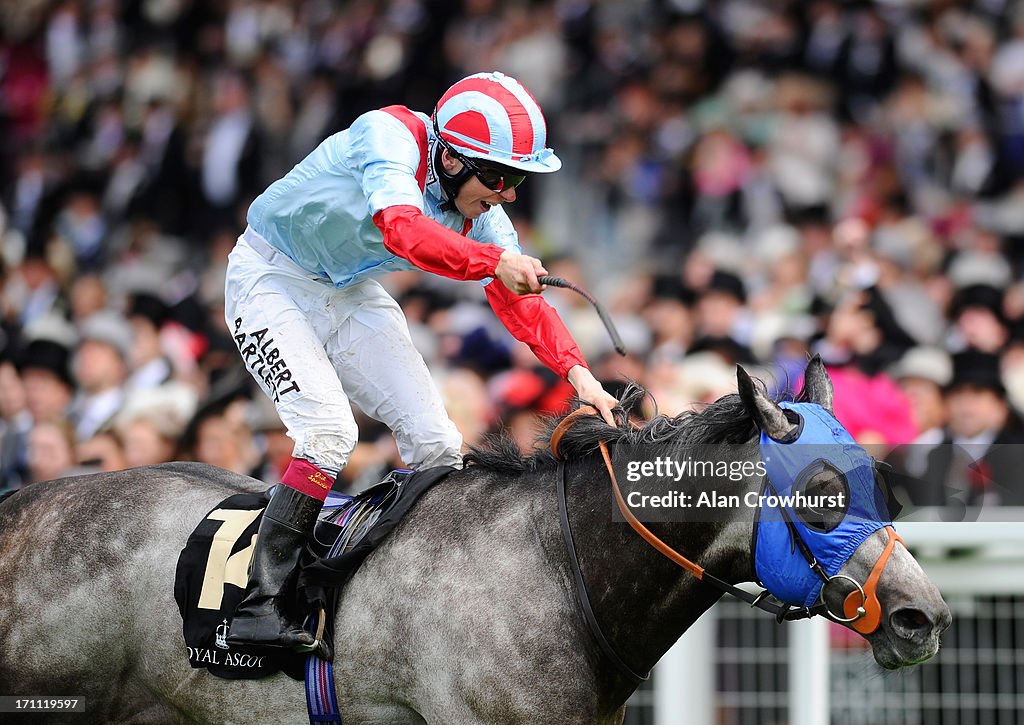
<point x="467" y="613"/>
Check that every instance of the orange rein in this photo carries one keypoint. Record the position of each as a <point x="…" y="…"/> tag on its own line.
<point x="864" y="616"/>
<point x="647" y="535"/>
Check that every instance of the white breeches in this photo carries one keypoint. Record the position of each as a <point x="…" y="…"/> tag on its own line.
<point x="313" y="348"/>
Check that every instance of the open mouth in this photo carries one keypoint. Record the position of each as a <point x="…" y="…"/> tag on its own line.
<point x="485" y="205"/>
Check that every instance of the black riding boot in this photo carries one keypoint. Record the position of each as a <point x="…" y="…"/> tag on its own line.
<point x="260" y="619"/>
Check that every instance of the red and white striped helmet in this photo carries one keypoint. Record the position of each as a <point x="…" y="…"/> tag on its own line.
<point x="491" y="116"/>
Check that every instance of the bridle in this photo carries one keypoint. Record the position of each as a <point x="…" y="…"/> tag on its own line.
<point x="862" y="610"/>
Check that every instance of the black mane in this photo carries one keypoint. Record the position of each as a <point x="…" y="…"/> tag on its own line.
<point x="724" y="421"/>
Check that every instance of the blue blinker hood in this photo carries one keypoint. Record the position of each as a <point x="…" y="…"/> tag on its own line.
<point x="821" y="444"/>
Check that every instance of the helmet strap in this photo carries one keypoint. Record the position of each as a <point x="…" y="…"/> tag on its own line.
<point x="450" y="183"/>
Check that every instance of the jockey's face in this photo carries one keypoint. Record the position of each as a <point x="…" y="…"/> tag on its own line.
<point x="474" y="198"/>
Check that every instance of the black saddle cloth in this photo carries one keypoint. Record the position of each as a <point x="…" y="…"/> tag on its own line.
<point x="215" y="560"/>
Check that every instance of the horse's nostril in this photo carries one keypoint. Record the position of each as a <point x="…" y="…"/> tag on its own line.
<point x="911" y="622"/>
<point x="945" y="619"/>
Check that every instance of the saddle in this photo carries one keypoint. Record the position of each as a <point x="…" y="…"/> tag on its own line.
<point x="212" y="571"/>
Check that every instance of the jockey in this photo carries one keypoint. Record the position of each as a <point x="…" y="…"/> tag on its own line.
<point x="397" y="190"/>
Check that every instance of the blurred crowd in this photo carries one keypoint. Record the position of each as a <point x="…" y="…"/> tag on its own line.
<point x="745" y="182"/>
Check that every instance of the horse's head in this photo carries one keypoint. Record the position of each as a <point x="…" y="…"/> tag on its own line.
<point x="824" y="535"/>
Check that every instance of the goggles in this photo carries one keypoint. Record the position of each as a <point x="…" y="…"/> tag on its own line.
<point x="491" y="178"/>
<point x="496" y="180"/>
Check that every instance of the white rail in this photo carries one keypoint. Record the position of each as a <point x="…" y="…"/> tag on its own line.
<point x="984" y="555"/>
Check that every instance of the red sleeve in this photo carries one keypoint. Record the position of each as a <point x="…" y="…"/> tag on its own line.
<point x="432" y="247"/>
<point x="532" y="320"/>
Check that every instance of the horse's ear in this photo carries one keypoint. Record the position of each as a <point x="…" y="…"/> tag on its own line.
<point x="817" y="383"/>
<point x="767" y="415"/>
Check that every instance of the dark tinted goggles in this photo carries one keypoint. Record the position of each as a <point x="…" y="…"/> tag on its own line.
<point x="494" y="179"/>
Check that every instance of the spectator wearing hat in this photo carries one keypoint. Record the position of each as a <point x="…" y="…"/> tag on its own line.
<point x="101" y="370"/>
<point x="983" y="463"/>
<point x="523" y="397"/>
<point x="45" y="371"/>
<point x="978" y="320"/>
<point x="517" y="394"/>
<point x="670" y="317"/>
<point x="152" y="421"/>
<point x="44" y="366"/>
<point x="723" y="323"/>
<point x="922" y="374"/>
<point x="150" y="367"/>
<point x="32" y="291"/>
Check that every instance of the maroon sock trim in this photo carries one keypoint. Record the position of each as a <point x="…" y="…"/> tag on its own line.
<point x="306" y="478"/>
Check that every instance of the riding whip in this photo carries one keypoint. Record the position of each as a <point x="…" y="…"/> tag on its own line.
<point x="601" y="312"/>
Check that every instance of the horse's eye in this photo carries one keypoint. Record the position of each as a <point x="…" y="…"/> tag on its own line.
<point x="824" y="497"/>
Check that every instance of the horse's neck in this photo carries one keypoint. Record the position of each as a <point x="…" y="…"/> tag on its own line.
<point x="642" y="600"/>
